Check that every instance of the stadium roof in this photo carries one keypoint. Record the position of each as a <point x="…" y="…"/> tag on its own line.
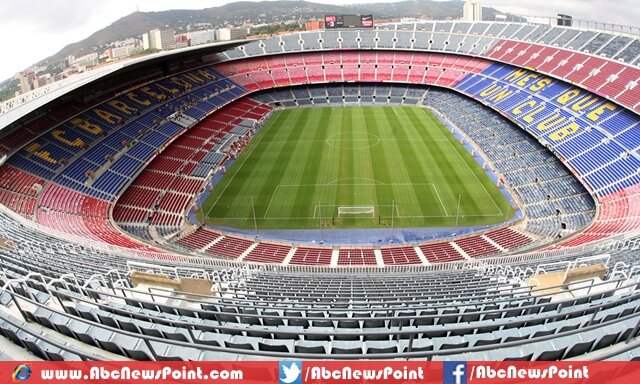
<point x="45" y="95"/>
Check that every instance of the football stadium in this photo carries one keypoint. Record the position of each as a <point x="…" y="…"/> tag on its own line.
<point x="427" y="190"/>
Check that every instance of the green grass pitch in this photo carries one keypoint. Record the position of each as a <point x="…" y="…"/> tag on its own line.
<point x="354" y="167"/>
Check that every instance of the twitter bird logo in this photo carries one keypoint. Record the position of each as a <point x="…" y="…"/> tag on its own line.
<point x="290" y="372"/>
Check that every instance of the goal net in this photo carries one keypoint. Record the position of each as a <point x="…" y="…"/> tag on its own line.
<point x="357" y="210"/>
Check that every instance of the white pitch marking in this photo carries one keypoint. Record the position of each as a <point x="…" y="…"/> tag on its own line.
<point x="469" y="168"/>
<point x="439" y="198"/>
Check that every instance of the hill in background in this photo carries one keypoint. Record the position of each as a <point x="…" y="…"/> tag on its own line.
<point x="242" y="12"/>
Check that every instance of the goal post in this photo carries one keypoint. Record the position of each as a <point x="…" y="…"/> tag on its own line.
<point x="357" y="211"/>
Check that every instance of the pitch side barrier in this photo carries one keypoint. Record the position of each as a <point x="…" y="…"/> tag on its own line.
<point x="190" y="261"/>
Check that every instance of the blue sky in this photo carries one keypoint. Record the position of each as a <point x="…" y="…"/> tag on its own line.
<point x="35" y="29"/>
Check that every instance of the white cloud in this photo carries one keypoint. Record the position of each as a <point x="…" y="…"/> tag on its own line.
<point x="615" y="12"/>
<point x="40" y="28"/>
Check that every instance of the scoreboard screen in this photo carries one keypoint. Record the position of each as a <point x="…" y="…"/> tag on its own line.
<point x="348" y="21"/>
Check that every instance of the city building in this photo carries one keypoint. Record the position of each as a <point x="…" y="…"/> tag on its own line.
<point x="231" y="33"/>
<point x="201" y="37"/>
<point x="26" y="81"/>
<point x="161" y="39"/>
<point x="146" y="43"/>
<point x="30" y="81"/>
<point x="313" y="25"/>
<point x="182" y="41"/>
<point x="565" y="20"/>
<point x="119" y="52"/>
<point x="472" y="11"/>
<point x="82" y="62"/>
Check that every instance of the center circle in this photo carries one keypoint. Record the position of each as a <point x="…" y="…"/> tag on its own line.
<point x="353" y="140"/>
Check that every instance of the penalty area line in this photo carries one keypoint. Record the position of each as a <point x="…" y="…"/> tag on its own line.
<point x="439" y="198"/>
<point x="271" y="201"/>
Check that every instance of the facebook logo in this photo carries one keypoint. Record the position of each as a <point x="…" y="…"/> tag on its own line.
<point x="290" y="372"/>
<point x="455" y="372"/>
